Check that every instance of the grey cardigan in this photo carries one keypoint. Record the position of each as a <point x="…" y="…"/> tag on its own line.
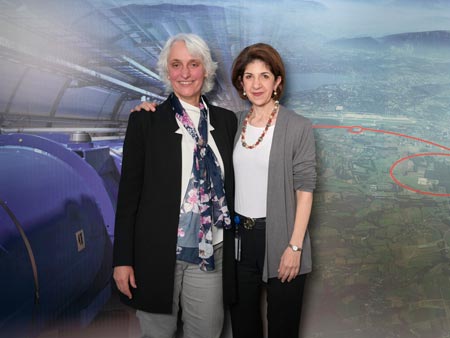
<point x="292" y="166"/>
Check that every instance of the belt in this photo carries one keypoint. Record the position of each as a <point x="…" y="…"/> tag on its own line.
<point x="250" y="223"/>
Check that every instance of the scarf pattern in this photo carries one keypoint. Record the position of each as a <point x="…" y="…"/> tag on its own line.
<point x="204" y="204"/>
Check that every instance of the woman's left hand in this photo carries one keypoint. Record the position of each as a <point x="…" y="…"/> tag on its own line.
<point x="289" y="265"/>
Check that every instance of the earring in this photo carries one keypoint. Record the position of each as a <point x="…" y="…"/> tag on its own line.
<point x="244" y="93"/>
<point x="275" y="93"/>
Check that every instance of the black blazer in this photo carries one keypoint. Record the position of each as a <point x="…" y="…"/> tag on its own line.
<point x="148" y="206"/>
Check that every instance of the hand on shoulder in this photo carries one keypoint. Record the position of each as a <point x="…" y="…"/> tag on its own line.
<point x="145" y="105"/>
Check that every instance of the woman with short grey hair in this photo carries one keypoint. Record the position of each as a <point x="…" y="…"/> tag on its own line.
<point x="196" y="46"/>
<point x="174" y="242"/>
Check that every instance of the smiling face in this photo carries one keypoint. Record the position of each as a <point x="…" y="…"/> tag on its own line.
<point x="186" y="73"/>
<point x="259" y="83"/>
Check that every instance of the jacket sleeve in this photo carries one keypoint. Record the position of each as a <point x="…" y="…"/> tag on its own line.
<point x="130" y="190"/>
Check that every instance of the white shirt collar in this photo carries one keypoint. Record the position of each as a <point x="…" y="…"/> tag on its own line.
<point x="194" y="114"/>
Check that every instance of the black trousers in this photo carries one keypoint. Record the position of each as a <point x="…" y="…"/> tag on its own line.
<point x="284" y="300"/>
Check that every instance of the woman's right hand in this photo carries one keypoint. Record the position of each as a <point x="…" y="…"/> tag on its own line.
<point x="124" y="277"/>
<point x="146" y="105"/>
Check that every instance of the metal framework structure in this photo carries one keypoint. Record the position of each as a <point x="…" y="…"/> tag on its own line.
<point x="87" y="63"/>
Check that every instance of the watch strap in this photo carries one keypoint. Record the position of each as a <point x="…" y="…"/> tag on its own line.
<point x="295" y="248"/>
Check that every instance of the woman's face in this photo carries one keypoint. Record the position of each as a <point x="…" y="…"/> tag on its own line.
<point x="186" y="73"/>
<point x="259" y="83"/>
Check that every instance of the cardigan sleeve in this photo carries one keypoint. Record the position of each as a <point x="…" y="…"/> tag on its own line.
<point x="304" y="156"/>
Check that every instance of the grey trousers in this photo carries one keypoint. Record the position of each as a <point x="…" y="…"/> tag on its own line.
<point x="199" y="294"/>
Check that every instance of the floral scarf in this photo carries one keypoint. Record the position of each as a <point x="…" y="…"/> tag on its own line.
<point x="204" y="203"/>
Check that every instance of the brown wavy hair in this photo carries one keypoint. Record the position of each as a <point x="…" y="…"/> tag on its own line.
<point x="265" y="53"/>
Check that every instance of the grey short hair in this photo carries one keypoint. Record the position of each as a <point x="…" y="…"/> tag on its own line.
<point x="196" y="47"/>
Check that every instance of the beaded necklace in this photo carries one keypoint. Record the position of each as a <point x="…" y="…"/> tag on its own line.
<point x="260" y="138"/>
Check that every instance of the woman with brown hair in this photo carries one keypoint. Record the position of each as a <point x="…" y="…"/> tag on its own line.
<point x="274" y="164"/>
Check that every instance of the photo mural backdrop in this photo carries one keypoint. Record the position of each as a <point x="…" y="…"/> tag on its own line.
<point x="373" y="76"/>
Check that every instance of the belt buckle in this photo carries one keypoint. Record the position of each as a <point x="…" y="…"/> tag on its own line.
<point x="248" y="223"/>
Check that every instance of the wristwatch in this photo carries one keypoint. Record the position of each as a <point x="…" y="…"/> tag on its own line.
<point x="295" y="247"/>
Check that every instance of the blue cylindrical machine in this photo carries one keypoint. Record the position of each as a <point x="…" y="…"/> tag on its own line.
<point x="56" y="225"/>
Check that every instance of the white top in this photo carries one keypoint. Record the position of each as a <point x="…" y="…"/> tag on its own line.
<point x="187" y="151"/>
<point x="251" y="171"/>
